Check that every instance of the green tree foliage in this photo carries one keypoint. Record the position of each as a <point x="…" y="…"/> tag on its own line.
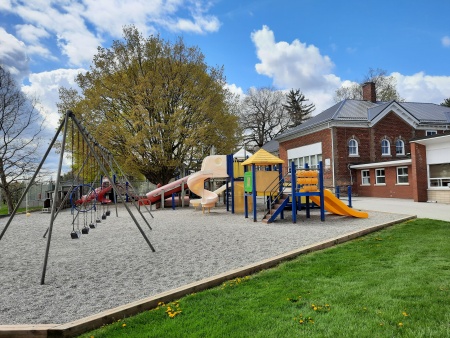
<point x="155" y="105"/>
<point x="297" y="107"/>
<point x="20" y="125"/>
<point x="385" y="87"/>
<point x="446" y="102"/>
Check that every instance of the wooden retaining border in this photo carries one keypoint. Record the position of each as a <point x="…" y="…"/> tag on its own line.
<point x="89" y="323"/>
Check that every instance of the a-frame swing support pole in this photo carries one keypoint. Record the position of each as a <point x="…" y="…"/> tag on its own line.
<point x="103" y="168"/>
<point x="52" y="216"/>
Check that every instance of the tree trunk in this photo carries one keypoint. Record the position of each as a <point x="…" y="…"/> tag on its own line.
<point x="6" y="195"/>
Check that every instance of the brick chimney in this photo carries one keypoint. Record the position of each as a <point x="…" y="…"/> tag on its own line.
<point x="369" y="93"/>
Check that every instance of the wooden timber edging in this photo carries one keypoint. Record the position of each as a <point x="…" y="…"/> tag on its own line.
<point x="77" y="327"/>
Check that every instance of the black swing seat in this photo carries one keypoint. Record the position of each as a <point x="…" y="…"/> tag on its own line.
<point x="98" y="220"/>
<point x="92" y="225"/>
<point x="108" y="213"/>
<point x="104" y="216"/>
<point x="75" y="234"/>
<point x="85" y="230"/>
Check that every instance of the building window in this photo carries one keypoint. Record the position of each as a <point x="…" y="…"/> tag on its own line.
<point x="402" y="175"/>
<point x="380" y="177"/>
<point x="440" y="175"/>
<point x="400" y="147"/>
<point x="385" y="147"/>
<point x="365" y="176"/>
<point x="431" y="132"/>
<point x="353" y="147"/>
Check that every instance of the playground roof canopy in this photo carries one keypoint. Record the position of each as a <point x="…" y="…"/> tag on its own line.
<point x="262" y="157"/>
<point x="242" y="154"/>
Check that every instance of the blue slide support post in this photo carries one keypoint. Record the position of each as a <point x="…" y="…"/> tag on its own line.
<point x="293" y="192"/>
<point x="254" y="191"/>
<point x="321" y="187"/>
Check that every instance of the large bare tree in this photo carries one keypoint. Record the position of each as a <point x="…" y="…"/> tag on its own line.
<point x="385" y="87"/>
<point x="263" y="116"/>
<point x="20" y="125"/>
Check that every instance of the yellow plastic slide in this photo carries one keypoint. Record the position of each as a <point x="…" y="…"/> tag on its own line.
<point x="336" y="206"/>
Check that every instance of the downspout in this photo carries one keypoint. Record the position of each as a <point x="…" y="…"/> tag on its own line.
<point x="332" y="154"/>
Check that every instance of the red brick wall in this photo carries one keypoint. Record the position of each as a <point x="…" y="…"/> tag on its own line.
<point x="369" y="140"/>
<point x="419" y="173"/>
<point x="390" y="189"/>
<point x="391" y="127"/>
<point x="323" y="136"/>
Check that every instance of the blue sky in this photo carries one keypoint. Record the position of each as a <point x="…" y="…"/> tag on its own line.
<point x="313" y="45"/>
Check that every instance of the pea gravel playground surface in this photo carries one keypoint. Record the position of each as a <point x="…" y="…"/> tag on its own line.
<point x="113" y="265"/>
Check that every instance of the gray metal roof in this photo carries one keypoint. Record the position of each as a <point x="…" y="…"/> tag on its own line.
<point x="271" y="146"/>
<point x="366" y="111"/>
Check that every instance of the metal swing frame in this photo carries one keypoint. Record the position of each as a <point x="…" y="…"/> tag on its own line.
<point x="104" y="154"/>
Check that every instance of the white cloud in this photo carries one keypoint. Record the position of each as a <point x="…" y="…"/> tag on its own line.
<point x="44" y="87"/>
<point x="31" y="33"/>
<point x="446" y="41"/>
<point x="296" y="65"/>
<point x="79" y="27"/>
<point x="420" y="87"/>
<point x="235" y="89"/>
<point x="5" y="5"/>
<point x="13" y="55"/>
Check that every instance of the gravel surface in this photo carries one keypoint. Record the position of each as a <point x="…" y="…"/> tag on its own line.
<point x="113" y="265"/>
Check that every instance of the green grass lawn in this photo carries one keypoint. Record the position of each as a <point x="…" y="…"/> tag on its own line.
<point x="392" y="283"/>
<point x="4" y="209"/>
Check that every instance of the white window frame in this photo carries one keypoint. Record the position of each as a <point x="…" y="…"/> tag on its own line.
<point x="401" y="147"/>
<point x="378" y="176"/>
<point x="353" y="144"/>
<point x="440" y="180"/>
<point x="365" y="179"/>
<point x="402" y="175"/>
<point x="385" y="147"/>
<point x="430" y="132"/>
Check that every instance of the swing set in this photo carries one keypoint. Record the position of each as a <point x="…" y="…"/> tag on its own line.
<point x="85" y="200"/>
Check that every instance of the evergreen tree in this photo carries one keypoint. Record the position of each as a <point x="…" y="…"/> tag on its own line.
<point x="446" y="102"/>
<point x="297" y="108"/>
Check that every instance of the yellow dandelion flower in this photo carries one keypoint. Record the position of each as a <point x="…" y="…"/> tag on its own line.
<point x="404" y="314"/>
<point x="123" y="325"/>
<point x="400" y="324"/>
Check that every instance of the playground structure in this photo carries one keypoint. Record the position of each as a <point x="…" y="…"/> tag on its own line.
<point x="213" y="167"/>
<point x="108" y="167"/>
<point x="306" y="185"/>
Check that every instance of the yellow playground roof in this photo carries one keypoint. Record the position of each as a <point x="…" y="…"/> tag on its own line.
<point x="262" y="157"/>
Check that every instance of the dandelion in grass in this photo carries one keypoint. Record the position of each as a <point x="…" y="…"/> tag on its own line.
<point x="405" y="314"/>
<point x="123" y="325"/>
<point x="400" y="324"/>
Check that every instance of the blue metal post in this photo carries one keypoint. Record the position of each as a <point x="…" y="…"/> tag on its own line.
<point x="321" y="188"/>
<point x="338" y="192"/>
<point x="254" y="191"/>
<point x="173" y="201"/>
<point x="349" y="194"/>
<point x="293" y="191"/>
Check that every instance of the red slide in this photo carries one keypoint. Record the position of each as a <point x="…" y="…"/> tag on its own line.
<point x="170" y="188"/>
<point x="99" y="194"/>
